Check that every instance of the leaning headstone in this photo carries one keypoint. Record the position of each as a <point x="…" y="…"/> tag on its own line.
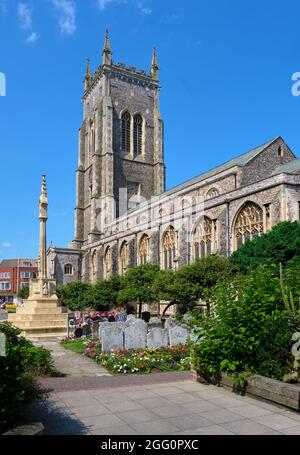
<point x="112" y="337"/>
<point x="101" y="326"/>
<point x="154" y="322"/>
<point x="157" y="338"/>
<point x="178" y="335"/>
<point x="135" y="335"/>
<point x="3" y="315"/>
<point x="171" y="322"/>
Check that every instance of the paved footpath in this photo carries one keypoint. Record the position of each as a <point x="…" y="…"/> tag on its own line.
<point x="163" y="403"/>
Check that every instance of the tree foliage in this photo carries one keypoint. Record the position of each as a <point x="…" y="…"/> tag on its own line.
<point x="279" y="245"/>
<point x="137" y="286"/>
<point x="76" y="296"/>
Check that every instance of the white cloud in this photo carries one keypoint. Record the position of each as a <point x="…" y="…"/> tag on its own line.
<point x="32" y="38"/>
<point x="103" y="4"/>
<point x="146" y="11"/>
<point x="25" y="15"/>
<point x="67" y="15"/>
<point x="6" y="245"/>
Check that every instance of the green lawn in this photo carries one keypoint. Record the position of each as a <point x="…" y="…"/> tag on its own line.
<point x="76" y="345"/>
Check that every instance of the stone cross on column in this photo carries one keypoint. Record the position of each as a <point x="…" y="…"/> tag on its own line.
<point x="43" y="216"/>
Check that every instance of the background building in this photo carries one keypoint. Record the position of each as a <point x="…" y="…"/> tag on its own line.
<point x="15" y="275"/>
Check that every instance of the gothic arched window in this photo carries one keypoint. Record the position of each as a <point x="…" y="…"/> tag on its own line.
<point x="108" y="262"/>
<point x="126" y="126"/>
<point x="248" y="224"/>
<point x="202" y="239"/>
<point x="68" y="269"/>
<point x="169" y="248"/>
<point x="123" y="259"/>
<point x="137" y="135"/>
<point x="144" y="250"/>
<point x="213" y="192"/>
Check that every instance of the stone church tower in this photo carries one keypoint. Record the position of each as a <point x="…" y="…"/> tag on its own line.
<point x="121" y="156"/>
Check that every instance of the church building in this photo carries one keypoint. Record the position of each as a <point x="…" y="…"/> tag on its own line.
<point x="124" y="216"/>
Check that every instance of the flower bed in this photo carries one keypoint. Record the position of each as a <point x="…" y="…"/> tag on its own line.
<point x="133" y="361"/>
<point x="146" y="360"/>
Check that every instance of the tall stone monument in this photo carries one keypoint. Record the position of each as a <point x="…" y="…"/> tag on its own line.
<point x="41" y="315"/>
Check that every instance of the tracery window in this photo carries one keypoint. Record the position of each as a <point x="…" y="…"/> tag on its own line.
<point x="169" y="248"/>
<point x="144" y="250"/>
<point x="137" y="135"/>
<point x="126" y="123"/>
<point x="123" y="259"/>
<point x="202" y="238"/>
<point x="249" y="224"/>
<point x="108" y="262"/>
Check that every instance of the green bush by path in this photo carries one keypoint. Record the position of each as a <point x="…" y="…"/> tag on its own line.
<point x="23" y="361"/>
<point x="250" y="328"/>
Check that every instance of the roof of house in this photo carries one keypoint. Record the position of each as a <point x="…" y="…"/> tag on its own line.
<point x="9" y="263"/>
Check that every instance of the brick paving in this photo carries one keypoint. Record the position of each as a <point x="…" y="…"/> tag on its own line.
<point x="156" y="404"/>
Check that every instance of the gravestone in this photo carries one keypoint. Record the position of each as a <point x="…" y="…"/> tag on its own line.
<point x="154" y="322"/>
<point x="135" y="335"/>
<point x="157" y="338"/>
<point x="178" y="335"/>
<point x="3" y="315"/>
<point x="101" y="325"/>
<point x="171" y="322"/>
<point x="112" y="336"/>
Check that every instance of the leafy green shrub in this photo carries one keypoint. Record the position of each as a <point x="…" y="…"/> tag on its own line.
<point x="17" y="370"/>
<point x="106" y="293"/>
<point x="279" y="245"/>
<point x="76" y="296"/>
<point x="250" y="328"/>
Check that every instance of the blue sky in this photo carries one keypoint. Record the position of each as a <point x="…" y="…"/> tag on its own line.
<point x="226" y="68"/>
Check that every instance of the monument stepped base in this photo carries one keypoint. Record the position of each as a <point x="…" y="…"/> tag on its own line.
<point x="41" y="318"/>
